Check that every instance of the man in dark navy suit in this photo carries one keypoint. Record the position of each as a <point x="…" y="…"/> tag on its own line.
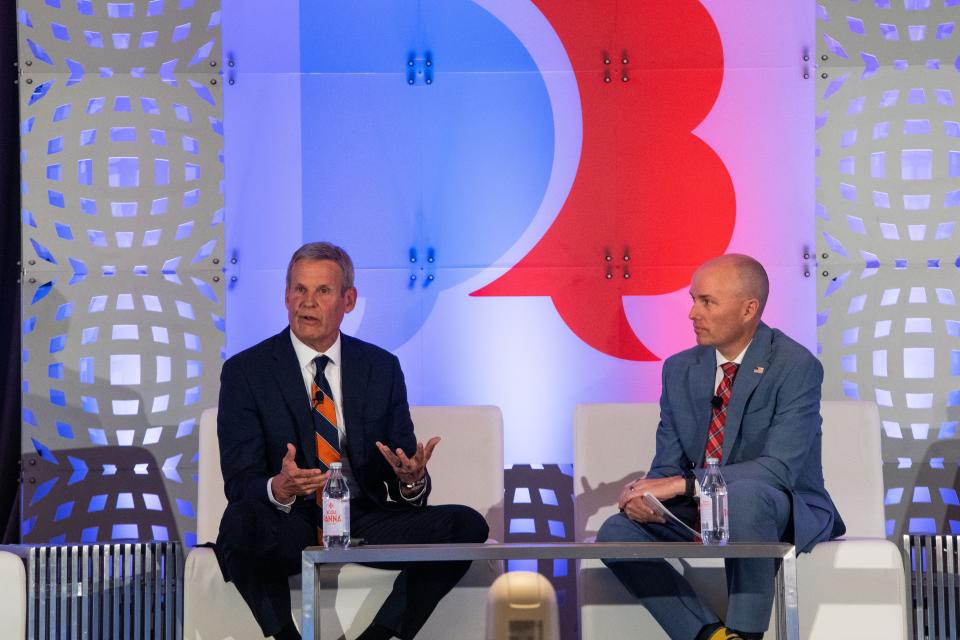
<point x="273" y="458"/>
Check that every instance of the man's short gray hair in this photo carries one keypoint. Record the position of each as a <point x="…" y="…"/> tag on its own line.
<point x="315" y="251"/>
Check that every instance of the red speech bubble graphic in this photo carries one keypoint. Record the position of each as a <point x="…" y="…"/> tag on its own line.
<point x="650" y="200"/>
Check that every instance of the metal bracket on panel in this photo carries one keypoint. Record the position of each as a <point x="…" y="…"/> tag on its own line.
<point x="422" y="271"/>
<point x="431" y="260"/>
<point x="232" y="270"/>
<point x="419" y="68"/>
<point x="231" y="69"/>
<point x="823" y="66"/>
<point x="809" y="261"/>
<point x="412" y="281"/>
<point x="607" y="62"/>
<point x="826" y="270"/>
<point x="623" y="266"/>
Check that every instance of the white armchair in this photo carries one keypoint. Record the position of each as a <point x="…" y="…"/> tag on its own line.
<point x="467" y="468"/>
<point x="13" y="595"/>
<point x="849" y="588"/>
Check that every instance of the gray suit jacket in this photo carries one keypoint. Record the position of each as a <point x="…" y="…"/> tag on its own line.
<point x="772" y="432"/>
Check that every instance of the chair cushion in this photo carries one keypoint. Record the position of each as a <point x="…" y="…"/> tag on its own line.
<point x="213" y="609"/>
<point x="13" y="595"/>
<point x="467" y="468"/>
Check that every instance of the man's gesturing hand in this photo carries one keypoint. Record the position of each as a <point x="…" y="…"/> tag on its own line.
<point x="293" y="481"/>
<point x="409" y="469"/>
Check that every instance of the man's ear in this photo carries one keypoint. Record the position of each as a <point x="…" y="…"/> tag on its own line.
<point x="351" y="296"/>
<point x="751" y="309"/>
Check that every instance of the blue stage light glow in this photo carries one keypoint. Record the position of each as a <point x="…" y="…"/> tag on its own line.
<point x="450" y="170"/>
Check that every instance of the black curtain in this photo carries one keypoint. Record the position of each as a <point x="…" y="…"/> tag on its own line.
<point x="9" y="277"/>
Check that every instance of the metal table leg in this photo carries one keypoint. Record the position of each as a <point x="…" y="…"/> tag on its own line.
<point x="788" y="620"/>
<point x="310" y="620"/>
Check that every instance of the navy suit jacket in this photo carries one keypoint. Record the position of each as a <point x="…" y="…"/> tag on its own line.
<point x="772" y="432"/>
<point x="264" y="405"/>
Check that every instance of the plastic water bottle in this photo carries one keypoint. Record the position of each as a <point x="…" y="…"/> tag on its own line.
<point x="336" y="509"/>
<point x="714" y="527"/>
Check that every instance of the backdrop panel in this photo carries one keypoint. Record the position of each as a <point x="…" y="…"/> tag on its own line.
<point x="122" y="304"/>
<point x="526" y="187"/>
<point x="888" y="167"/>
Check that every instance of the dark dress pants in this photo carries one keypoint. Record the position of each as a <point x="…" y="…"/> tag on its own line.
<point x="259" y="548"/>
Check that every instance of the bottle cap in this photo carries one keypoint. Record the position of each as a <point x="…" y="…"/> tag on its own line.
<point x="709" y="461"/>
<point x="335" y="465"/>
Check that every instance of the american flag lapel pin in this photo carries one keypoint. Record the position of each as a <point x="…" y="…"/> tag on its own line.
<point x="758" y="370"/>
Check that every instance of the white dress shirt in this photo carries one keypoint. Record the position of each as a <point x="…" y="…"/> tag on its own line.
<point x="308" y="370"/>
<point x="716" y="383"/>
<point x="721" y="360"/>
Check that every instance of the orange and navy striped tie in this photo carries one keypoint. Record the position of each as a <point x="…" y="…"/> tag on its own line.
<point x="324" y="417"/>
<point x="719" y="415"/>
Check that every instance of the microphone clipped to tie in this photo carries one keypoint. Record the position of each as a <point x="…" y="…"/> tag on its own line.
<point x="716" y="402"/>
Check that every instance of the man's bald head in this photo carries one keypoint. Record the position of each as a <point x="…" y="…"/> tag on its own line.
<point x="751" y="275"/>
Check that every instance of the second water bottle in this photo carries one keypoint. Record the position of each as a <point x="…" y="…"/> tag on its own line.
<point x="714" y="526"/>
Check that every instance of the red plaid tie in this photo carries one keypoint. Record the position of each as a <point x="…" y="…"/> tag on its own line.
<point x="719" y="417"/>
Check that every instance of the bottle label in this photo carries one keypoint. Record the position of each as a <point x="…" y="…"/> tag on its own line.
<point x="336" y="517"/>
<point x="706" y="513"/>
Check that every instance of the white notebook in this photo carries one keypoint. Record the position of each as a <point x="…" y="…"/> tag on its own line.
<point x="657" y="506"/>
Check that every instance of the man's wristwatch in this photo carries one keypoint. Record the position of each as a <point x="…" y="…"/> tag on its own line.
<point x="689" y="492"/>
